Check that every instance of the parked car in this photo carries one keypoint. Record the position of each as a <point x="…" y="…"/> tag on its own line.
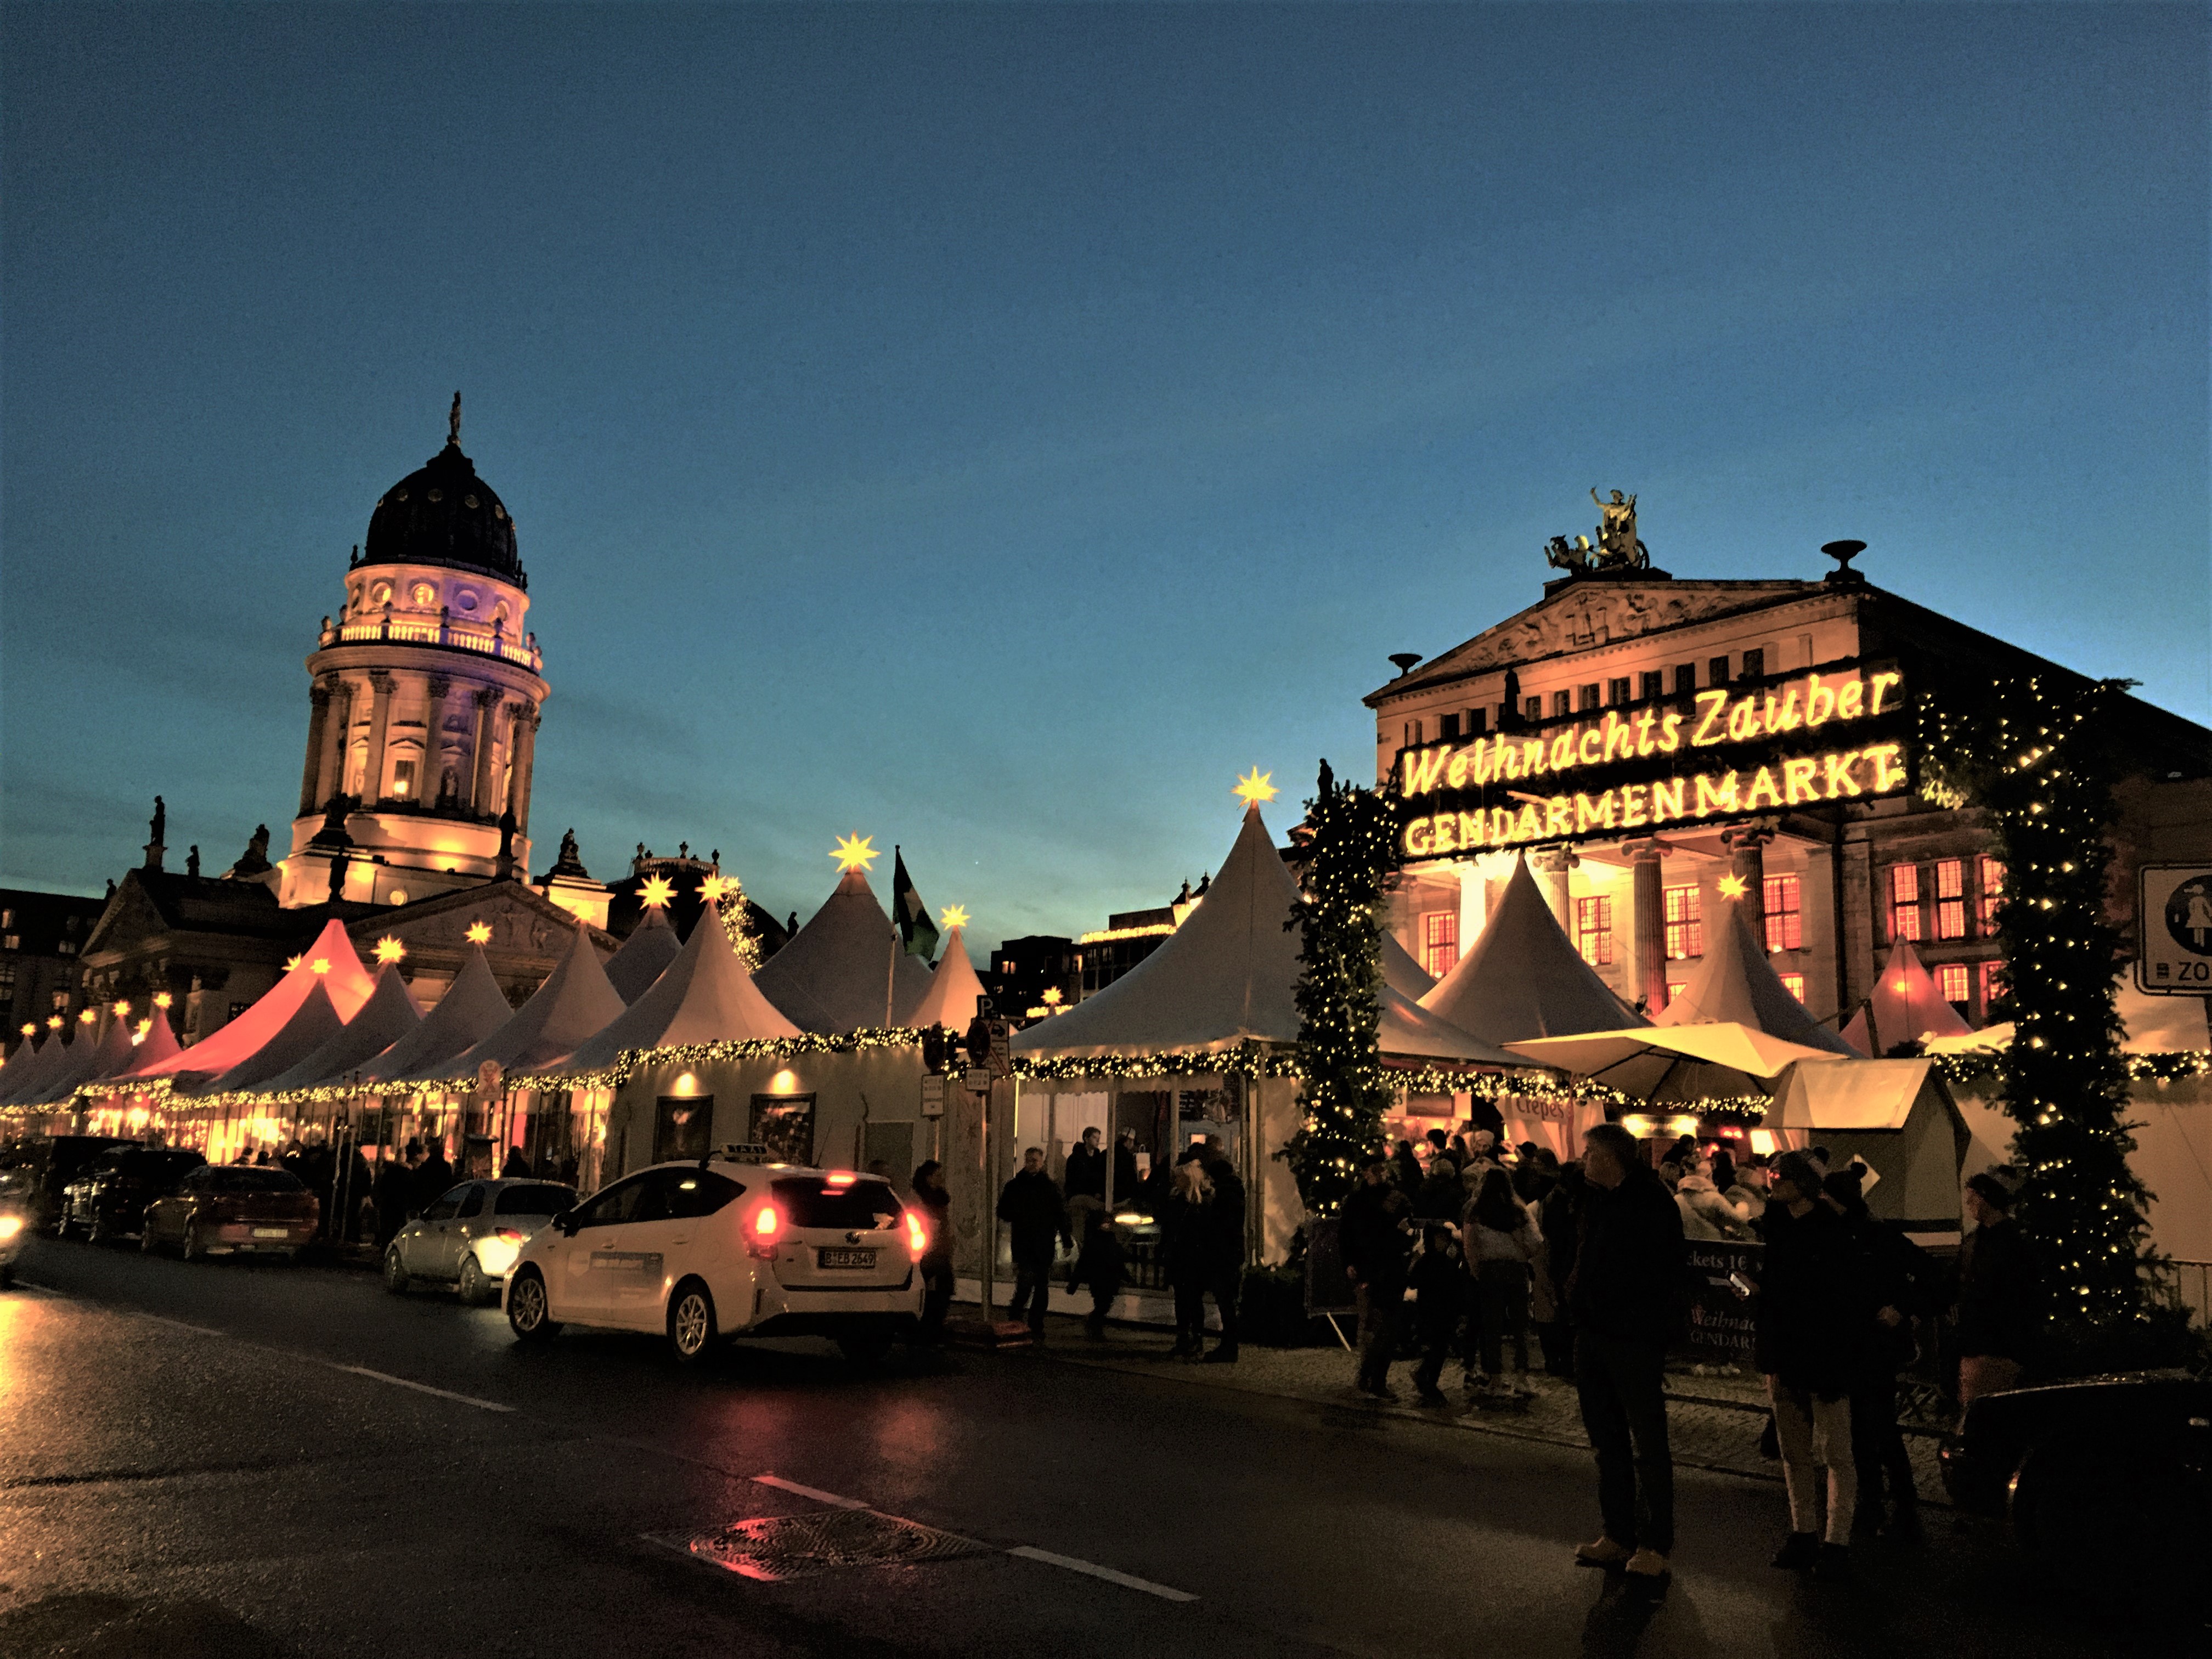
<point x="2108" y="1479"/>
<point x="224" y="1209"/>
<point x="15" y="1188"/>
<point x="109" y="1198"/>
<point x="471" y="1236"/>
<point x="57" y="1160"/>
<point x="727" y="1246"/>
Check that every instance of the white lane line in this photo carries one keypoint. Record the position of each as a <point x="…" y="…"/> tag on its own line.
<point x="814" y="1492"/>
<point x="1030" y="1552"/>
<point x="180" y="1325"/>
<point x="421" y="1388"/>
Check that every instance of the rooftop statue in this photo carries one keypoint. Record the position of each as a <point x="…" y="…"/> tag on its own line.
<point x="1618" y="546"/>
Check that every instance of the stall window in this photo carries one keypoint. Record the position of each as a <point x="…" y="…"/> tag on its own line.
<point x="1786" y="915"/>
<point x="1904" y="901"/>
<point x="1990" y="875"/>
<point x="1950" y="898"/>
<point x="1654" y="685"/>
<point x="1439" y="942"/>
<point x="1616" y="690"/>
<point x="1951" y="984"/>
<point x="1795" y="984"/>
<point x="1686" y="928"/>
<point x="1593" y="930"/>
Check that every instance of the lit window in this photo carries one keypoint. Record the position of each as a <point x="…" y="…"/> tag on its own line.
<point x="1951" y="984"/>
<point x="402" y="777"/>
<point x="1993" y="985"/>
<point x="1676" y="988"/>
<point x="1950" y="898"/>
<point x="1593" y="930"/>
<point x="1686" y="928"/>
<point x="1992" y="873"/>
<point x="1904" y="901"/>
<point x="1785" y="919"/>
<point x="1439" y="942"/>
<point x="1795" y="984"/>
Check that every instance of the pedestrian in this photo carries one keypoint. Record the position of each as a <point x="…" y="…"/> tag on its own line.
<point x="1747" y="1196"/>
<point x="1126" y="1178"/>
<point x="1899" y="1277"/>
<point x="1560" y="1220"/>
<point x="1995" y="1328"/>
<point x="391" y="1191"/>
<point x="1032" y="1209"/>
<point x="1706" y="1216"/>
<point x="1811" y="1318"/>
<point x="515" y="1166"/>
<point x="432" y="1176"/>
<point x="1406" y="1168"/>
<point x="931" y="1197"/>
<point x="1085" y="1180"/>
<point x="1721" y="1167"/>
<point x="1500" y="1242"/>
<point x="1437" y="1139"/>
<point x="1226" y="1254"/>
<point x="1372" y="1231"/>
<point x="1099" y="1264"/>
<point x="1439" y="1281"/>
<point x="1186" y="1231"/>
<point x="1626" y="1298"/>
<point x="1437" y="1198"/>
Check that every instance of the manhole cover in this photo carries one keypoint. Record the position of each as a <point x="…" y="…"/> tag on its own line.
<point x="773" y="1547"/>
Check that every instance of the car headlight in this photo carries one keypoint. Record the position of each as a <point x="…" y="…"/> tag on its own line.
<point x="9" y="1226"/>
<point x="497" y="1252"/>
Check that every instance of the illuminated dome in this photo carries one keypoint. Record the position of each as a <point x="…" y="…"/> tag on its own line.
<point x="444" y="514"/>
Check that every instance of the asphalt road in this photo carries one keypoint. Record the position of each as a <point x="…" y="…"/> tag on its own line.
<point x="242" y="1460"/>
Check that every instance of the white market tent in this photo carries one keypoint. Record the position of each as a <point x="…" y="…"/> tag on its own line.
<point x="88" y="1062"/>
<point x="574" y="1002"/>
<point x="1905" y="1007"/>
<point x="1524" y="979"/>
<point x="953" y="988"/>
<point x="1896" y="1115"/>
<point x="1735" y="983"/>
<point x="35" y="1064"/>
<point x="650" y="948"/>
<point x="389" y="1014"/>
<point x="2156" y="1025"/>
<point x="472" y="1008"/>
<point x="844" y="970"/>
<point x="704" y="995"/>
<point x="330" y="962"/>
<point x="311" y="1024"/>
<point x="1401" y="972"/>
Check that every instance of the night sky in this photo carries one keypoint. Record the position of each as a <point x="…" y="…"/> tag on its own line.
<point x="993" y="431"/>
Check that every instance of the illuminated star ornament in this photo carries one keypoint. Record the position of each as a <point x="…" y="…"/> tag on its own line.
<point x="954" y="915"/>
<point x="656" y="892"/>
<point x="479" y="933"/>
<point x="321" y="965"/>
<point x="389" y="948"/>
<point x="1053" y="996"/>
<point x="1734" y="887"/>
<point x="855" y="853"/>
<point x="714" y="889"/>
<point x="293" y="962"/>
<point x="122" y="1008"/>
<point x="1254" y="787"/>
<point x="163" y="999"/>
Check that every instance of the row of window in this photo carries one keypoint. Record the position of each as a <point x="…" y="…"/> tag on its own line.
<point x="1929" y="901"/>
<point x="1650" y="686"/>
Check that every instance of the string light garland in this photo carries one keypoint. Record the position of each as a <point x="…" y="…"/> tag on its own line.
<point x="728" y="898"/>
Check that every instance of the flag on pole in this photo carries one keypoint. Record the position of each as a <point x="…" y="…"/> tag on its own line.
<point x="915" y="929"/>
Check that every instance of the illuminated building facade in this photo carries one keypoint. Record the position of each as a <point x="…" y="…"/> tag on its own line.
<point x="1640" y="739"/>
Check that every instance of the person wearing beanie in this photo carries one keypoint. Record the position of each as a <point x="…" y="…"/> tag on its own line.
<point x="1900" y="1280"/>
<point x="1995" y="1328"/>
<point x="1812" y="1318"/>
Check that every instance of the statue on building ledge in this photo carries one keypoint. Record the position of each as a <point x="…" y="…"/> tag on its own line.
<point x="1619" y="547"/>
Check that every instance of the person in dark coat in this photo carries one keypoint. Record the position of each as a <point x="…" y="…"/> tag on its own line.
<point x="1626" y="1296"/>
<point x="1099" y="1266"/>
<point x="1084" y="1183"/>
<point x="1559" y="1219"/>
<point x="1127" y="1184"/>
<point x="392" y="1191"/>
<point x="515" y="1166"/>
<point x="1899" y="1278"/>
<point x="1031" y="1207"/>
<point x="432" y="1176"/>
<point x="1812" y="1319"/>
<point x="1186" y="1217"/>
<point x="930" y="1196"/>
<point x="1224" y="1280"/>
<point x="1406" y="1168"/>
<point x="1439" y="1197"/>
<point x="1372" y="1233"/>
<point x="1439" y="1281"/>
<point x="1997" y="1319"/>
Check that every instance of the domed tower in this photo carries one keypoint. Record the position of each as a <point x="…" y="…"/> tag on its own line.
<point x="424" y="706"/>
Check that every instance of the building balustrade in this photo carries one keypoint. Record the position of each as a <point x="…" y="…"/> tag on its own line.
<point x="442" y="631"/>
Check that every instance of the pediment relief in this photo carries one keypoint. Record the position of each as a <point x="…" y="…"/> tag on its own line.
<point x="521" y="924"/>
<point x="1586" y="616"/>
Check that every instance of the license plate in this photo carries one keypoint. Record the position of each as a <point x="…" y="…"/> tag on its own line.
<point x="844" y="1258"/>
<point x="272" y="1233"/>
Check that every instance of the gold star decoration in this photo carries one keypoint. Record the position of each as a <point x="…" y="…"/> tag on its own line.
<point x="122" y="1009"/>
<point x="479" y="933"/>
<point x="293" y="962"/>
<point x="1051" y="996"/>
<point x="1254" y="787"/>
<point x="30" y="1028"/>
<point x="656" y="892"/>
<point x="54" y="1024"/>
<point x="954" y="915"/>
<point x="714" y="889"/>
<point x="855" y="853"/>
<point x="321" y="965"/>
<point x="86" y="1018"/>
<point x="1734" y="887"/>
<point x="389" y="948"/>
<point x="162" y="1000"/>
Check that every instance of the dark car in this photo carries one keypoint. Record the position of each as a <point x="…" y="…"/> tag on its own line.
<point x="2109" y="1478"/>
<point x="109" y="1198"/>
<point x="60" y="1159"/>
<point x="226" y="1209"/>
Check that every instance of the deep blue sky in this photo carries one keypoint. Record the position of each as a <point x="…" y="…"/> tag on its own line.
<point x="992" y="430"/>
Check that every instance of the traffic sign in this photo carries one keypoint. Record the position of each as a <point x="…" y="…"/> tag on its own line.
<point x="2173" y="926"/>
<point x="932" y="1095"/>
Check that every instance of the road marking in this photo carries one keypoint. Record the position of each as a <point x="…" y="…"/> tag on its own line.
<point x="421" y="1388"/>
<point x="1030" y="1552"/>
<point x="180" y="1325"/>
<point x="814" y="1492"/>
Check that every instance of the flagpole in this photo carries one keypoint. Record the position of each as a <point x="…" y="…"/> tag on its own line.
<point x="890" y="963"/>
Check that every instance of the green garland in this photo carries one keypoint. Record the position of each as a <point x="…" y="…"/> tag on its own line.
<point x="1973" y="1066"/>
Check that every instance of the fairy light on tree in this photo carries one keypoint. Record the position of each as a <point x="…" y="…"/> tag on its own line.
<point x="725" y="896"/>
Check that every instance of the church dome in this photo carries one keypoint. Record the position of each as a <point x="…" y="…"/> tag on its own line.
<point x="443" y="514"/>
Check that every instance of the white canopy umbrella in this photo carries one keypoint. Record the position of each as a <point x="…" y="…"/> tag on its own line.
<point x="1686" y="1062"/>
<point x="643" y="956"/>
<point x="389" y="1014"/>
<point x="704" y="995"/>
<point x="1524" y="978"/>
<point x="472" y="1008"/>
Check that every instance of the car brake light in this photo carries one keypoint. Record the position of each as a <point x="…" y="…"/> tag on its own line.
<point x="513" y="1235"/>
<point x="917" y="1237"/>
<point x="839" y="1178"/>
<point x="766" y="1223"/>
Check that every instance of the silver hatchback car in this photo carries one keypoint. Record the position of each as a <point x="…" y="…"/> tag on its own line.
<point x="471" y="1236"/>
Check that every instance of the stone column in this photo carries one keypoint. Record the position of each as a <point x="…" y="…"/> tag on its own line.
<point x="1553" y="869"/>
<point x="525" y="754"/>
<point x="488" y="711"/>
<point x="380" y="722"/>
<point x="1747" y="848"/>
<point x="1473" y="905"/>
<point x="311" y="773"/>
<point x="1648" y="922"/>
<point x="432" y="788"/>
<point x="338" y="725"/>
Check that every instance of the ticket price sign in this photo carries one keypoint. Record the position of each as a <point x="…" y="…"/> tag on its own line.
<point x="2173" y="921"/>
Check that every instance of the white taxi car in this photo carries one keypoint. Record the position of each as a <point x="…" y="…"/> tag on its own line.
<point x="726" y="1246"/>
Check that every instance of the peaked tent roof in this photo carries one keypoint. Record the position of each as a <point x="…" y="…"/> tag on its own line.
<point x="344" y="980"/>
<point x="313" y="1023"/>
<point x="28" y="1073"/>
<point x="1736" y="982"/>
<point x="87" y="1062"/>
<point x="472" y="1008"/>
<point x="953" y="988"/>
<point x="1401" y="972"/>
<point x="1524" y="979"/>
<point x="389" y="1014"/>
<point x="651" y="946"/>
<point x="159" y="1043"/>
<point x="834" y="975"/>
<point x="1229" y="975"/>
<point x="704" y="995"/>
<point x="1906" y="1005"/>
<point x="574" y="1003"/>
